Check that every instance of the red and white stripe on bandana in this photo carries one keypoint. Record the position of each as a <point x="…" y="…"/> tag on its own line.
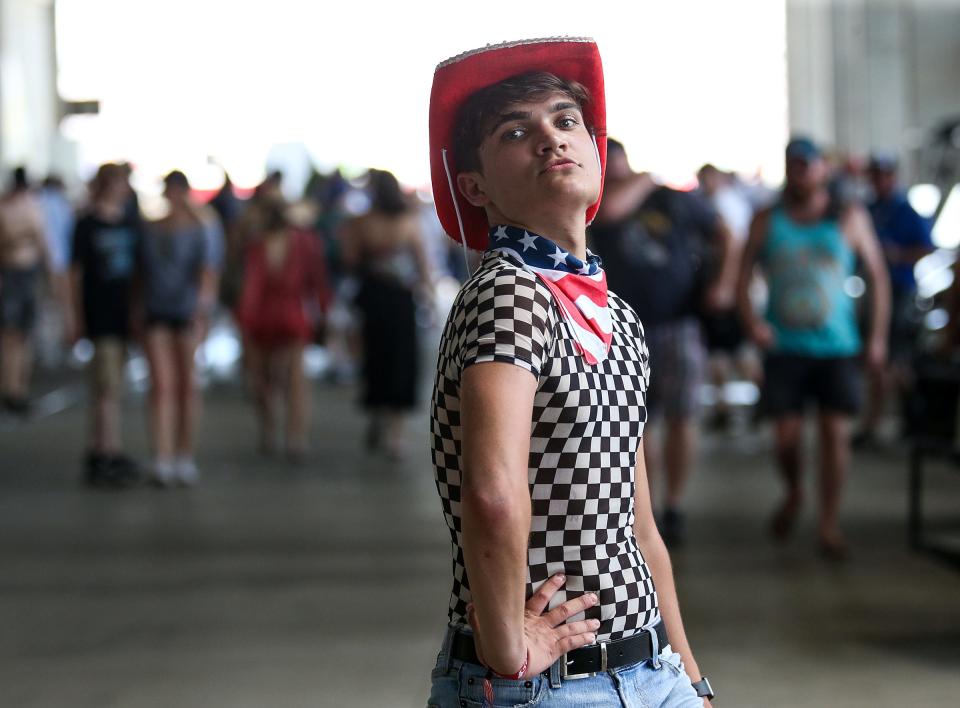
<point x="579" y="287"/>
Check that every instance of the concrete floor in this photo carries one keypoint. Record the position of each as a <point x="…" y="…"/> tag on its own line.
<point x="326" y="585"/>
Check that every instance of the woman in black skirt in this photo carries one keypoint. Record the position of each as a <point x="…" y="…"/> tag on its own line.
<point x="384" y="248"/>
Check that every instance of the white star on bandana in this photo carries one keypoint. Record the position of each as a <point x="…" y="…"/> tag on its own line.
<point x="559" y="257"/>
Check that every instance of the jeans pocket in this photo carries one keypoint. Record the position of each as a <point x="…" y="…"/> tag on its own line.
<point x="506" y="693"/>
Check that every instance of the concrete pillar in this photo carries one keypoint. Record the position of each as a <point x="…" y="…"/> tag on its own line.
<point x="810" y="63"/>
<point x="29" y="104"/>
<point x="867" y="74"/>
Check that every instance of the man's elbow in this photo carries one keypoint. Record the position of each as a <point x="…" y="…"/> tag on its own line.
<point x="495" y="508"/>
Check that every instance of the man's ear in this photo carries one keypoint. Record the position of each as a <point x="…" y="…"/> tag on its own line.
<point x="473" y="188"/>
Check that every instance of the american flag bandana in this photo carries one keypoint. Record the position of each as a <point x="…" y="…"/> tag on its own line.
<point x="579" y="287"/>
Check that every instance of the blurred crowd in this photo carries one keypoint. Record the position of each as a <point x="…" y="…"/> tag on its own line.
<point x="360" y="266"/>
<point x="352" y="266"/>
<point x="785" y="301"/>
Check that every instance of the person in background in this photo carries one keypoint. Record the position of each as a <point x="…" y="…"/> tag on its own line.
<point x="23" y="259"/>
<point x="385" y="249"/>
<point x="227" y="209"/>
<point x="729" y="350"/>
<point x="667" y="253"/>
<point x="227" y="204"/>
<point x="59" y="221"/>
<point x="806" y="247"/>
<point x="105" y="242"/>
<point x="173" y="267"/>
<point x="905" y="238"/>
<point x="284" y="297"/>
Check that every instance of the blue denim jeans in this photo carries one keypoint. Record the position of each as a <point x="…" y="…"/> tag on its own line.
<point x="654" y="683"/>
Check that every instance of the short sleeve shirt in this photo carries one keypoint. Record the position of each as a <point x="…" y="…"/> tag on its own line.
<point x="897" y="223"/>
<point x="659" y="259"/>
<point x="585" y="429"/>
<point x="171" y="264"/>
<point x="105" y="252"/>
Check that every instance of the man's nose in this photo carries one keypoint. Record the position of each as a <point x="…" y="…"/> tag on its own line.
<point x="551" y="140"/>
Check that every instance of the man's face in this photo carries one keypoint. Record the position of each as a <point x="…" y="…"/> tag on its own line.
<point x="175" y="193"/>
<point x="884" y="182"/>
<point x="710" y="181"/>
<point x="539" y="156"/>
<point x="805" y="175"/>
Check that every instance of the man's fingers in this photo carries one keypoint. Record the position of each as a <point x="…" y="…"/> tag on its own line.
<point x="576" y="641"/>
<point x="561" y="613"/>
<point x="541" y="598"/>
<point x="581" y="627"/>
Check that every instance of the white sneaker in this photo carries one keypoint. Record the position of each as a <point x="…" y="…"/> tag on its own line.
<point x="187" y="472"/>
<point x="163" y="473"/>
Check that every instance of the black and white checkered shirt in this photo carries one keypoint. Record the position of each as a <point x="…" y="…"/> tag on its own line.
<point x="585" y="430"/>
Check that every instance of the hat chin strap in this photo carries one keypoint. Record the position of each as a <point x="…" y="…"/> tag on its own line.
<point x="596" y="151"/>
<point x="456" y="207"/>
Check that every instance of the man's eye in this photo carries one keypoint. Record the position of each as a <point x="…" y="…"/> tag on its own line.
<point x="568" y="122"/>
<point x="513" y="134"/>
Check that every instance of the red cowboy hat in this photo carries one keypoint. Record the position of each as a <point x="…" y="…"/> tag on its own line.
<point x="455" y="80"/>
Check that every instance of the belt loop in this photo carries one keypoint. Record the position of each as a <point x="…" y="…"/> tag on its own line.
<point x="447" y="649"/>
<point x="654" y="646"/>
<point x="555" y="681"/>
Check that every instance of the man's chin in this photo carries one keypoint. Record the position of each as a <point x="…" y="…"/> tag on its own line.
<point x="573" y="189"/>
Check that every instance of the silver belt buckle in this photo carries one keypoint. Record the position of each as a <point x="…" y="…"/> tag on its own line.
<point x="565" y="676"/>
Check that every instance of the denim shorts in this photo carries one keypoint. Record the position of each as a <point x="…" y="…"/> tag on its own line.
<point x="660" y="683"/>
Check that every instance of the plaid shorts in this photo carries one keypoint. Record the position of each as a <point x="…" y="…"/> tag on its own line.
<point x="678" y="362"/>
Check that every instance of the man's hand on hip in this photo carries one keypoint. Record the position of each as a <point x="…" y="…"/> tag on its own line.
<point x="547" y="635"/>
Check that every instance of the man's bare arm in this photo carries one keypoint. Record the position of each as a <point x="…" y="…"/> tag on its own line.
<point x="757" y="330"/>
<point x="624" y="196"/>
<point x="722" y="292"/>
<point x="859" y="231"/>
<point x="496" y="407"/>
<point x="496" y="402"/>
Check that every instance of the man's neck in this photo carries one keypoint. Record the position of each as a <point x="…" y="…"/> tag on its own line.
<point x="570" y="234"/>
<point x="807" y="207"/>
<point x="108" y="211"/>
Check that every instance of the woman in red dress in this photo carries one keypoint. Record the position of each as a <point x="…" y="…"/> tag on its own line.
<point x="284" y="297"/>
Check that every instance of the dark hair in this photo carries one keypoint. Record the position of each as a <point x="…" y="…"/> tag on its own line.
<point x="274" y="217"/>
<point x="107" y="174"/>
<point x="613" y="145"/>
<point x="385" y="193"/>
<point x="20" y="180"/>
<point x="177" y="179"/>
<point x="480" y="109"/>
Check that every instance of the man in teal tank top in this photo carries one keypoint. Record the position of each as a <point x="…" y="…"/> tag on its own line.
<point x="806" y="247"/>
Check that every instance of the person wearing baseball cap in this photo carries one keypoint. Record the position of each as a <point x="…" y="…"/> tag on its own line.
<point x="806" y="247"/>
<point x="562" y="590"/>
<point x="905" y="238"/>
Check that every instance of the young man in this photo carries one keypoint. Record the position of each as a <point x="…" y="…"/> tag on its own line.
<point x="103" y="259"/>
<point x="806" y="247"/>
<point x="562" y="588"/>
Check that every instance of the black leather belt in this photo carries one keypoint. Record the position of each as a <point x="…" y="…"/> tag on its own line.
<point x="585" y="661"/>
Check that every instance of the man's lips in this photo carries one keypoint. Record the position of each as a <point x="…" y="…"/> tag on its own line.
<point x="559" y="165"/>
